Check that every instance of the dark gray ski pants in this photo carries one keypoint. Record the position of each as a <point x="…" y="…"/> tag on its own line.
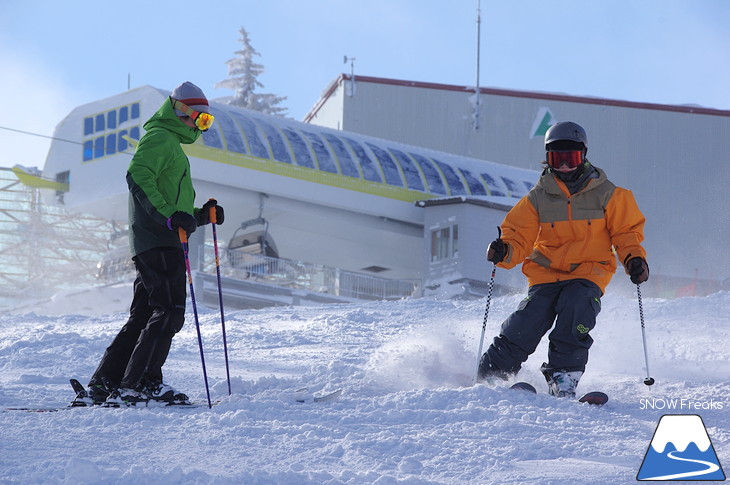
<point x="157" y="313"/>
<point x="575" y="303"/>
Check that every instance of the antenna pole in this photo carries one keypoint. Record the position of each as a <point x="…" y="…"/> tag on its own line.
<point x="477" y="93"/>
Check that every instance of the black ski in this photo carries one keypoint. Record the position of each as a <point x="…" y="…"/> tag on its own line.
<point x="596" y="397"/>
<point x="524" y="386"/>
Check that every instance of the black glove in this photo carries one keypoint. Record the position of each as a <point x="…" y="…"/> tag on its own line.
<point x="497" y="251"/>
<point x="202" y="215"/>
<point x="638" y="270"/>
<point x="182" y="219"/>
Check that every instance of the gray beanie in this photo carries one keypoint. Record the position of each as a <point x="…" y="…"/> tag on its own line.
<point x="191" y="95"/>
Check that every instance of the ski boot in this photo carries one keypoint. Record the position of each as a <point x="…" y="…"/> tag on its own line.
<point x="161" y="392"/>
<point x="124" y="396"/>
<point x="561" y="383"/>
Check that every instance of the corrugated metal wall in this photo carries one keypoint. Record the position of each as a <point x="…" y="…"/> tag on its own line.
<point x="674" y="159"/>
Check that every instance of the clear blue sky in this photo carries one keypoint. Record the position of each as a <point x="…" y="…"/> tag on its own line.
<point x="56" y="55"/>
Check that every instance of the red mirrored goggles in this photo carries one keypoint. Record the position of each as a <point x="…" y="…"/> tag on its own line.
<point x="570" y="159"/>
<point x="203" y="121"/>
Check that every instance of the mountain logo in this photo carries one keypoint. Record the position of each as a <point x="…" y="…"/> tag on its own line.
<point x="544" y="119"/>
<point x="681" y="450"/>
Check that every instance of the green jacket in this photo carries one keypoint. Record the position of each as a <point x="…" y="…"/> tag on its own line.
<point x="159" y="181"/>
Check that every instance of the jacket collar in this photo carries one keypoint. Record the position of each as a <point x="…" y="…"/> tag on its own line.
<point x="552" y="185"/>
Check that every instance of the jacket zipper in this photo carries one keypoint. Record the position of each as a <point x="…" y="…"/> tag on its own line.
<point x="179" y="186"/>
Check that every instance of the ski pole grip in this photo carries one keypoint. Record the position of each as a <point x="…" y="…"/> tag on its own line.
<point x="212" y="217"/>
<point x="183" y="235"/>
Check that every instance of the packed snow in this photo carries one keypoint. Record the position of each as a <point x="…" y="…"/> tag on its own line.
<point x="409" y="412"/>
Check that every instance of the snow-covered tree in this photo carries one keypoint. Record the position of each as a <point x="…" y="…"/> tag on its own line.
<point x="243" y="75"/>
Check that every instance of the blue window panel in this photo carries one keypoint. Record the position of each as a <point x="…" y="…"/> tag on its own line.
<point x="135" y="111"/>
<point x="475" y="186"/>
<point x="370" y="170"/>
<point x="111" y="144"/>
<point x="324" y="157"/>
<point x="492" y="184"/>
<point x="413" y="176"/>
<point x="513" y="187"/>
<point x="111" y="119"/>
<point x="347" y="164"/>
<point x="99" y="147"/>
<point x="88" y="126"/>
<point x="100" y="123"/>
<point x="527" y="184"/>
<point x="257" y="147"/>
<point x="134" y="133"/>
<point x="433" y="178"/>
<point x="234" y="141"/>
<point x="88" y="150"/>
<point x="212" y="137"/>
<point x="457" y="186"/>
<point x="123" y="114"/>
<point x="390" y="169"/>
<point x="301" y="150"/>
<point x="121" y="142"/>
<point x="276" y="142"/>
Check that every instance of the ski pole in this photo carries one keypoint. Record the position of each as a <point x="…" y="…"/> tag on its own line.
<point x="213" y="221"/>
<point x="184" y="240"/>
<point x="486" y="315"/>
<point x="648" y="380"/>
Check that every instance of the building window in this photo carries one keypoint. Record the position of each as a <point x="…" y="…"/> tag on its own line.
<point x="123" y="114"/>
<point x="445" y="243"/>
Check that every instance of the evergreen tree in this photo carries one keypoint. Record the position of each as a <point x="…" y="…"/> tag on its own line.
<point x="243" y="75"/>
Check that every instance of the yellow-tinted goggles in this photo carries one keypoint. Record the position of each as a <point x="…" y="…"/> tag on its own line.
<point x="203" y="121"/>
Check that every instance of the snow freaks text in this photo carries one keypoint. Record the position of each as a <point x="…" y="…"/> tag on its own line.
<point x="679" y="404"/>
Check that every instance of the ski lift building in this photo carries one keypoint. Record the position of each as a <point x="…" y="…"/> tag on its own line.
<point x="348" y="201"/>
<point x="673" y="157"/>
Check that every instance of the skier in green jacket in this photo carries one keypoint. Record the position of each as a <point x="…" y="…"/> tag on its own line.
<point x="161" y="198"/>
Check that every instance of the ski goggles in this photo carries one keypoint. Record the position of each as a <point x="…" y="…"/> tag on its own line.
<point x="203" y="121"/>
<point x="571" y="159"/>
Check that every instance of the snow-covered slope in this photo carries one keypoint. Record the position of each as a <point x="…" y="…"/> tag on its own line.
<point x="408" y="413"/>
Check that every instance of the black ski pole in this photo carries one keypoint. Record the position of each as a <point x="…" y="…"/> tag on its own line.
<point x="648" y="380"/>
<point x="213" y="221"/>
<point x="486" y="315"/>
<point x="184" y="240"/>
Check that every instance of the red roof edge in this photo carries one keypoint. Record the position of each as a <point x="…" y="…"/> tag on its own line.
<point x="518" y="94"/>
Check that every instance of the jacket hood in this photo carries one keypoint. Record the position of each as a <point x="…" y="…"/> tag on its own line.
<point x="166" y="119"/>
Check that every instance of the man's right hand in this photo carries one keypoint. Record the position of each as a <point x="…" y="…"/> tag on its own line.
<point x="182" y="219"/>
<point x="497" y="251"/>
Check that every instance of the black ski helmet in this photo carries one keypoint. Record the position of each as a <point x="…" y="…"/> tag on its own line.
<point x="566" y="131"/>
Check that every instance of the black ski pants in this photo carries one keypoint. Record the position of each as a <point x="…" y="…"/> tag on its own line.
<point x="575" y="303"/>
<point x="157" y="313"/>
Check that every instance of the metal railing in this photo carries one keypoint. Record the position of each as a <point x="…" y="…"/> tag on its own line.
<point x="306" y="276"/>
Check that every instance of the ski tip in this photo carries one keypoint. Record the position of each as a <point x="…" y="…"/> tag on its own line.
<point x="524" y="386"/>
<point x="594" y="397"/>
<point x="322" y="398"/>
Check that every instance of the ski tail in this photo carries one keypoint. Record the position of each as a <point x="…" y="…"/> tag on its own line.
<point x="82" y="396"/>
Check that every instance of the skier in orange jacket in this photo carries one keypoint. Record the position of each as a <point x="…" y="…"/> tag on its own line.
<point x="566" y="232"/>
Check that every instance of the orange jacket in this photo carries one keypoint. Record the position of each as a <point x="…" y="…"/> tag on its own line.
<point x="557" y="236"/>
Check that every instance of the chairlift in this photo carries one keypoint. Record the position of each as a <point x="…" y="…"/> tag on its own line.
<point x="258" y="242"/>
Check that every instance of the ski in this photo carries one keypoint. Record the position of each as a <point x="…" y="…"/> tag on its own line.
<point x="302" y="396"/>
<point x="595" y="397"/>
<point x="524" y="386"/>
